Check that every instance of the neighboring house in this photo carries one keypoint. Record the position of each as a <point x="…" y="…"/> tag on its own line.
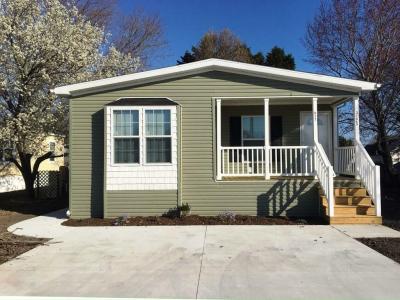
<point x="394" y="147"/>
<point x="217" y="134"/>
<point x="11" y="178"/>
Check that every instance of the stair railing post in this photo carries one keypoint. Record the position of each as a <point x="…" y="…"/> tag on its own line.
<point x="331" y="196"/>
<point x="378" y="191"/>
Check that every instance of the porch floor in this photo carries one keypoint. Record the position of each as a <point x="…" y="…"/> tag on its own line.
<point x="262" y="178"/>
<point x="338" y="180"/>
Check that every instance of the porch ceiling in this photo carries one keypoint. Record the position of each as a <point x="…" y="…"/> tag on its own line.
<point x="281" y="100"/>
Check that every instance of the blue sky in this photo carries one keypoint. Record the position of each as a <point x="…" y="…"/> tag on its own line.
<point x="261" y="24"/>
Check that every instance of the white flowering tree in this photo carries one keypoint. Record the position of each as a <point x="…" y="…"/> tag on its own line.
<point x="44" y="44"/>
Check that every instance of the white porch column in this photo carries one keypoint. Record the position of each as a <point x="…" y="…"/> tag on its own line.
<point x="266" y="137"/>
<point x="315" y="119"/>
<point x="218" y="125"/>
<point x="315" y="126"/>
<point x="335" y="137"/>
<point x="356" y="123"/>
<point x="356" y="113"/>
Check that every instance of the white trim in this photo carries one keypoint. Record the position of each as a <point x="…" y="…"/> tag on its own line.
<point x="217" y="65"/>
<point x="143" y="176"/>
<point x="356" y="129"/>
<point x="155" y="136"/>
<point x="142" y="136"/>
<point x="267" y="129"/>
<point x="138" y="108"/>
<point x="219" y="156"/>
<point x="335" y="136"/>
<point x="315" y="119"/>
<point x="302" y="113"/>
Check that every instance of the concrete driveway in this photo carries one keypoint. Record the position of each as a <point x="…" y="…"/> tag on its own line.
<point x="290" y="262"/>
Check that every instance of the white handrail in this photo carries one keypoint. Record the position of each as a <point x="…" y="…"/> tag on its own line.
<point x="345" y="160"/>
<point x="325" y="174"/>
<point x="282" y="161"/>
<point x="369" y="174"/>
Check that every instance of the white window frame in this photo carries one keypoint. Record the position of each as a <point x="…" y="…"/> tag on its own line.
<point x="145" y="108"/>
<point x="142" y="134"/>
<point x="249" y="139"/>
<point x="116" y="108"/>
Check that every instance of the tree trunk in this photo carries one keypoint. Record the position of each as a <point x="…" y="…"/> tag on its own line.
<point x="28" y="173"/>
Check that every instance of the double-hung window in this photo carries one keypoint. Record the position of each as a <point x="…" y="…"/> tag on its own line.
<point x="158" y="135"/>
<point x="126" y="136"/>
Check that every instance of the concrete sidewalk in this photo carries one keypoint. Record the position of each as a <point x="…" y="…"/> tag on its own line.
<point x="257" y="262"/>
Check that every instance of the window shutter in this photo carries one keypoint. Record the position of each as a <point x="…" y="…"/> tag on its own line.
<point x="276" y="130"/>
<point x="235" y="131"/>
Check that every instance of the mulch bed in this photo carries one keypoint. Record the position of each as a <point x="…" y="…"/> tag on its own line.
<point x="390" y="247"/>
<point x="190" y="220"/>
<point x="16" y="207"/>
<point x="12" y="245"/>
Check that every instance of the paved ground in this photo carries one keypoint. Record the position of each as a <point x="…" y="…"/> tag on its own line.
<point x="367" y="231"/>
<point x="290" y="262"/>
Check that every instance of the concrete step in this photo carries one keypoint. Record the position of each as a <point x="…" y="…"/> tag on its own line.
<point x="354" y="220"/>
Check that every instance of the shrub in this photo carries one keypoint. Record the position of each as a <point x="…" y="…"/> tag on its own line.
<point x="227" y="215"/>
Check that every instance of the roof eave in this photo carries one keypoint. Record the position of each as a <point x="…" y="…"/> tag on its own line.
<point x="219" y="65"/>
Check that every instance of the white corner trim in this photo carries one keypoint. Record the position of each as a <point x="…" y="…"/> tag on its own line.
<point x="218" y="65"/>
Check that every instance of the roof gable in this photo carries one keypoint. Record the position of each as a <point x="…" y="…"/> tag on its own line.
<point x="215" y="65"/>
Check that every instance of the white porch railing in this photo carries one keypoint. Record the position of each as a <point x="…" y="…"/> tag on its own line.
<point x="291" y="160"/>
<point x="369" y="174"/>
<point x="325" y="174"/>
<point x="283" y="161"/>
<point x="242" y="161"/>
<point x="345" y="160"/>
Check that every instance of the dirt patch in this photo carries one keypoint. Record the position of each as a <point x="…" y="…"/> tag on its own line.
<point x="390" y="247"/>
<point x="16" y="207"/>
<point x="190" y="220"/>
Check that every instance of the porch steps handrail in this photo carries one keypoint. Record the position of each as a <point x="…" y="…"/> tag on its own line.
<point x="369" y="173"/>
<point x="325" y="174"/>
<point x="345" y="160"/>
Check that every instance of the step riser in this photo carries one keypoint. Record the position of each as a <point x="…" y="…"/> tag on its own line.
<point x="352" y="204"/>
<point x="353" y="200"/>
<point x="351" y="192"/>
<point x="353" y="211"/>
<point x="355" y="220"/>
<point x="349" y="201"/>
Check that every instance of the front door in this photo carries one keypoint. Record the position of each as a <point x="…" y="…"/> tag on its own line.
<point x="324" y="130"/>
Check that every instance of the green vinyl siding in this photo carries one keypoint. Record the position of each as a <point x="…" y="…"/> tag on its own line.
<point x="194" y="94"/>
